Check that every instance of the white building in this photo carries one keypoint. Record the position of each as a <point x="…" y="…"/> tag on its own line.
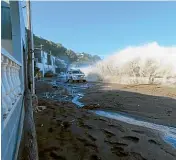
<point x="45" y="62"/>
<point x="13" y="49"/>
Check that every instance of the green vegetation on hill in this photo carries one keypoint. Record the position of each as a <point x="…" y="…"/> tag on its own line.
<point x="61" y="52"/>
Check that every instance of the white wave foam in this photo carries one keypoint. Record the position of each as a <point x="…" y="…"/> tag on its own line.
<point x="146" y="64"/>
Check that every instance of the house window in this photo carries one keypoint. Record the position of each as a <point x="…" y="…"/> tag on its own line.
<point x="6" y="26"/>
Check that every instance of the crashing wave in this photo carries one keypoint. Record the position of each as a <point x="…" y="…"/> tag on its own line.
<point x="146" y="64"/>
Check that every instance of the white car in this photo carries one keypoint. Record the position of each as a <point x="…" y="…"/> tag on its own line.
<point x="75" y="76"/>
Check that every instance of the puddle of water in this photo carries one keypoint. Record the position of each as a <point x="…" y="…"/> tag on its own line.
<point x="75" y="100"/>
<point x="168" y="133"/>
<point x="171" y="140"/>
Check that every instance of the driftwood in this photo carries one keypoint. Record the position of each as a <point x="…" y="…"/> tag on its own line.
<point x="30" y="138"/>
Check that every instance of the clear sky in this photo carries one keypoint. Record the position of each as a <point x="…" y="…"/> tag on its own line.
<point x="105" y="27"/>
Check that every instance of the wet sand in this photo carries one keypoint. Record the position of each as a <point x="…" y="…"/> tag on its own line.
<point x="148" y="102"/>
<point x="65" y="132"/>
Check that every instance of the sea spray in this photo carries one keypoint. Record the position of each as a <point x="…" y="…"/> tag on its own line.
<point x="146" y="64"/>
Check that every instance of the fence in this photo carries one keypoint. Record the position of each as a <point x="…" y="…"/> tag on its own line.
<point x="12" y="111"/>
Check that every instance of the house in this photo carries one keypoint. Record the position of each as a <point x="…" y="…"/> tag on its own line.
<point x="47" y="62"/>
<point x="44" y="61"/>
<point x="13" y="48"/>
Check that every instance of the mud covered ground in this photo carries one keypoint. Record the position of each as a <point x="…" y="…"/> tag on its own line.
<point x="149" y="102"/>
<point x="65" y="132"/>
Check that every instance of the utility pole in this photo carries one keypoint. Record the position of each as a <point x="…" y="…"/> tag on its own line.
<point x="30" y="47"/>
<point x="42" y="55"/>
<point x="41" y="47"/>
<point x="33" y="69"/>
<point x="30" y="139"/>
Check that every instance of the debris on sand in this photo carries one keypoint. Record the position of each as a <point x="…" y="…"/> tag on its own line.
<point x="39" y="108"/>
<point x="92" y="106"/>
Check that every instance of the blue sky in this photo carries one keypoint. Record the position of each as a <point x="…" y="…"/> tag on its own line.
<point x="105" y="27"/>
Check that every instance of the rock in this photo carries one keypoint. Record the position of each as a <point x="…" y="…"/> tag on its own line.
<point x="50" y="130"/>
<point x="65" y="124"/>
<point x="55" y="155"/>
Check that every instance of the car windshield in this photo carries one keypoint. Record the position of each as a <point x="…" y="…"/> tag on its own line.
<point x="76" y="72"/>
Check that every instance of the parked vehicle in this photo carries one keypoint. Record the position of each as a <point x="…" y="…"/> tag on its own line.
<point x="75" y="75"/>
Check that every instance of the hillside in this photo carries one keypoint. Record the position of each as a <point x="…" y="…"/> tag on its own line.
<point x="68" y="55"/>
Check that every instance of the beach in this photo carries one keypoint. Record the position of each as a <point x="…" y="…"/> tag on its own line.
<point x="67" y="132"/>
